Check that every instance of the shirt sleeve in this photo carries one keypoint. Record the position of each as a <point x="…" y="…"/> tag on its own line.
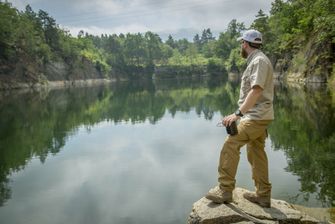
<point x="259" y="73"/>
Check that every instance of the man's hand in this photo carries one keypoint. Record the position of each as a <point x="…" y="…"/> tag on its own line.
<point x="249" y="102"/>
<point x="229" y="119"/>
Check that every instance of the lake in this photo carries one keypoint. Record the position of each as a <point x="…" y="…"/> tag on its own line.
<point x="145" y="151"/>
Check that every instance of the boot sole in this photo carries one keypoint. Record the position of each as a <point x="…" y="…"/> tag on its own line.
<point x="219" y="200"/>
<point x="255" y="201"/>
<point x="264" y="205"/>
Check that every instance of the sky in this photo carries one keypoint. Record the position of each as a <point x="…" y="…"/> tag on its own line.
<point x="180" y="18"/>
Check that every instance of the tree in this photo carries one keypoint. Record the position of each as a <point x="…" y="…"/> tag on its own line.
<point x="30" y="13"/>
<point x="191" y="52"/>
<point x="235" y="29"/>
<point x="81" y="34"/>
<point x="182" y="45"/>
<point x="206" y="36"/>
<point x="197" y="41"/>
<point x="282" y="22"/>
<point x="153" y="42"/>
<point x="261" y="23"/>
<point x="167" y="52"/>
<point x="170" y="41"/>
<point x="227" y="40"/>
<point x="8" y="23"/>
<point x="226" y="47"/>
<point x="208" y="49"/>
<point x="50" y="29"/>
<point x="134" y="48"/>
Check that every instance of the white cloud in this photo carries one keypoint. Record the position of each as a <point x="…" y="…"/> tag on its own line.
<point x="95" y="30"/>
<point x="19" y="4"/>
<point x="116" y="16"/>
<point x="104" y="7"/>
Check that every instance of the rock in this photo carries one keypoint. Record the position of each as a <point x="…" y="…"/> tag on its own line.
<point x="242" y="211"/>
<point x="322" y="214"/>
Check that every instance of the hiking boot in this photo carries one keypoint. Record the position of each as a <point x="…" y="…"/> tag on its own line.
<point x="219" y="196"/>
<point x="263" y="201"/>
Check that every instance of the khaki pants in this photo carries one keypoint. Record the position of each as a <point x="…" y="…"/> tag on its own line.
<point x="253" y="134"/>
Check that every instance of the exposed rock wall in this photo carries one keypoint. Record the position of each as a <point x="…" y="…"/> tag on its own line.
<point x="27" y="74"/>
<point x="313" y="62"/>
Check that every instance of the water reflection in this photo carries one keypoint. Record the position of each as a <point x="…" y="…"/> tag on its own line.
<point x="304" y="130"/>
<point x="144" y="152"/>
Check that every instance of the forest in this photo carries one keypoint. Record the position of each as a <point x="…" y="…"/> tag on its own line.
<point x="299" y="38"/>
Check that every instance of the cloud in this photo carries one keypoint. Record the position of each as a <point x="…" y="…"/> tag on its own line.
<point x="103" y="7"/>
<point x="116" y="16"/>
<point x="127" y="173"/>
<point x="95" y="30"/>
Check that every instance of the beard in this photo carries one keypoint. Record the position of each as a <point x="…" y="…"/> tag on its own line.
<point x="244" y="54"/>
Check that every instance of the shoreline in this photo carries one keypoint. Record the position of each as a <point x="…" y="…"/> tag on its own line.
<point x="12" y="86"/>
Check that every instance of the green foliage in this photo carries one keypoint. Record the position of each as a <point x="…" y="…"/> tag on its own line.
<point x="227" y="40"/>
<point x="228" y="48"/>
<point x="215" y="66"/>
<point x="235" y="63"/>
<point x="166" y="52"/>
<point x="98" y="59"/>
<point x="134" y="48"/>
<point x="289" y="27"/>
<point x="8" y="22"/>
<point x="206" y="36"/>
<point x="190" y="58"/>
<point x="299" y="35"/>
<point x="153" y="46"/>
<point x="300" y="20"/>
<point x="69" y="47"/>
<point x="324" y="22"/>
<point x="182" y="45"/>
<point x="170" y="41"/>
<point x="208" y="49"/>
<point x="50" y="30"/>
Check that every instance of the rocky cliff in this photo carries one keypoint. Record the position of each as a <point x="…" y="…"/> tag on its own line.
<point x="311" y="62"/>
<point x="25" y="73"/>
<point x="242" y="211"/>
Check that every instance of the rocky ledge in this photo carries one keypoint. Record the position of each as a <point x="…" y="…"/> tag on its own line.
<point x="242" y="211"/>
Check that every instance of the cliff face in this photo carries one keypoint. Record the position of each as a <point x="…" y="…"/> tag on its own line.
<point x="57" y="71"/>
<point x="311" y="62"/>
<point x="27" y="73"/>
<point x="243" y="211"/>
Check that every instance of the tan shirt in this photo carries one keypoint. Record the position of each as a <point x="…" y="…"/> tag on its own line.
<point x="259" y="72"/>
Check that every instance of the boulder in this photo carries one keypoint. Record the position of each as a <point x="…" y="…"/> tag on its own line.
<point x="242" y="211"/>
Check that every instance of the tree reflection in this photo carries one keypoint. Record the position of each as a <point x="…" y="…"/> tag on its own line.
<point x="304" y="129"/>
<point x="37" y="125"/>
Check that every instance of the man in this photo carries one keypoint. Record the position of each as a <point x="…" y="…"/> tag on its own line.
<point x="256" y="113"/>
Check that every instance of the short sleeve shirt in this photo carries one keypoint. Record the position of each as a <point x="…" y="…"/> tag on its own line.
<point x="259" y="72"/>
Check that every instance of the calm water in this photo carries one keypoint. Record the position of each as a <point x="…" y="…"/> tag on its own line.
<point x="145" y="152"/>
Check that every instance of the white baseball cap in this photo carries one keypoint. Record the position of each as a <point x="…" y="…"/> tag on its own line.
<point x="252" y="36"/>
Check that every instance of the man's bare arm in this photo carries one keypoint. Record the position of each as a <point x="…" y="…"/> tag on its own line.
<point x="251" y="99"/>
<point x="249" y="102"/>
